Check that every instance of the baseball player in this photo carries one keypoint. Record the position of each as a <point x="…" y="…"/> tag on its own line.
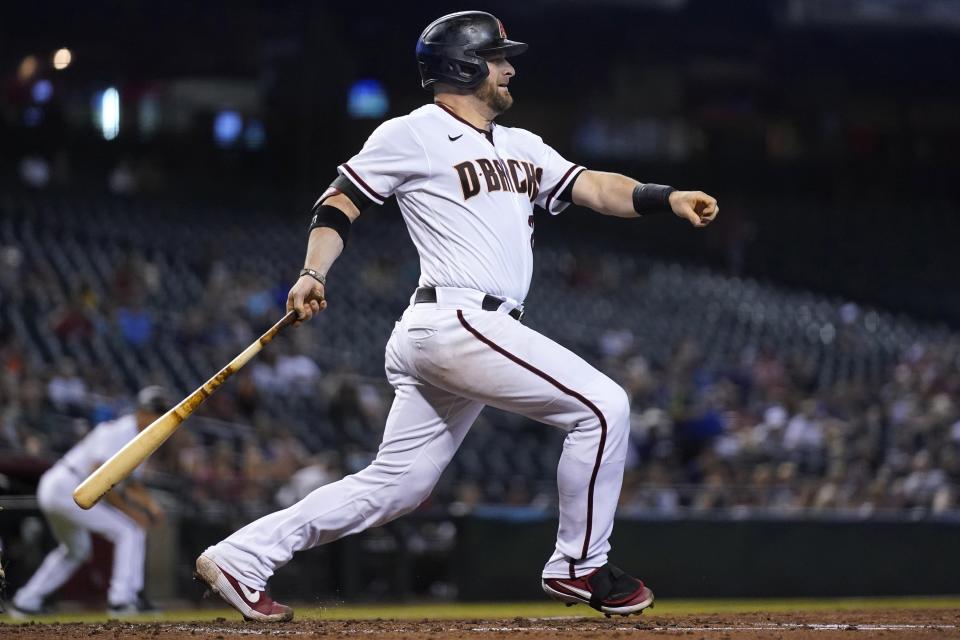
<point x="122" y="518"/>
<point x="466" y="187"/>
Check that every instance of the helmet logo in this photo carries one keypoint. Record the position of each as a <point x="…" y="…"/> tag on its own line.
<point x="503" y="32"/>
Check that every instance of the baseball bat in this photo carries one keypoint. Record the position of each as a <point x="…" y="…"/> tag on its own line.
<point x="123" y="462"/>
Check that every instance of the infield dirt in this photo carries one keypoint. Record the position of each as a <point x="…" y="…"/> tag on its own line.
<point x="915" y="623"/>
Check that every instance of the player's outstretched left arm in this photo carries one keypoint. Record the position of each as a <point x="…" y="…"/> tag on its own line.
<point x="614" y="194"/>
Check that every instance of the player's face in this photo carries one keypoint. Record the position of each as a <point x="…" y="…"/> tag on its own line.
<point x="494" y="91"/>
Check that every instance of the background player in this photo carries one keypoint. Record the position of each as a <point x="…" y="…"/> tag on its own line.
<point x="466" y="188"/>
<point x="122" y="517"/>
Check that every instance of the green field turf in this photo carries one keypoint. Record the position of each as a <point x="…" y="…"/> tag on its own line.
<point x="448" y="611"/>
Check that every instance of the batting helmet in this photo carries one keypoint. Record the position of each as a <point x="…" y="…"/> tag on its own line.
<point x="153" y="399"/>
<point x="453" y="49"/>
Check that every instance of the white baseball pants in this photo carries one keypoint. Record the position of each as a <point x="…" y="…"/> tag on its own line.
<point x="446" y="360"/>
<point x="71" y="527"/>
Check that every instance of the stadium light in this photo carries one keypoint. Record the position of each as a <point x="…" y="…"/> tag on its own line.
<point x="110" y="113"/>
<point x="367" y="99"/>
<point x="227" y="126"/>
<point x="62" y="59"/>
<point x="42" y="91"/>
<point x="28" y="66"/>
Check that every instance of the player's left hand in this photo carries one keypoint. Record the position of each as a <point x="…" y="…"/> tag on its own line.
<point x="696" y="206"/>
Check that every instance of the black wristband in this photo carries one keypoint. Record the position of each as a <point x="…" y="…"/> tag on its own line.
<point x="326" y="216"/>
<point x="652" y="198"/>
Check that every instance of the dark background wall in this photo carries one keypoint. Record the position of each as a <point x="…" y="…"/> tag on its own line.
<point x="729" y="558"/>
<point x="827" y="133"/>
<point x="500" y="558"/>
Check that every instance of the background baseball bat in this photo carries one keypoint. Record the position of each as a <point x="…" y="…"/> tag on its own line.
<point x="146" y="442"/>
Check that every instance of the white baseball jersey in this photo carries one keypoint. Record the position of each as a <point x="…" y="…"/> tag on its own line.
<point x="466" y="195"/>
<point x="101" y="443"/>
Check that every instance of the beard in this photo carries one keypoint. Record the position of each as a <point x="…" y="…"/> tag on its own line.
<point x="491" y="96"/>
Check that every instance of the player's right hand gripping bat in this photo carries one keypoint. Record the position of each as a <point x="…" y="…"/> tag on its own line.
<point x="146" y="442"/>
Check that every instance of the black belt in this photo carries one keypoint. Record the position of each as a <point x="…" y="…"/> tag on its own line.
<point x="490" y="303"/>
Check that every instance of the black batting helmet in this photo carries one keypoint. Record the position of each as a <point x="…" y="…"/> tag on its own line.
<point x="153" y="399"/>
<point x="453" y="49"/>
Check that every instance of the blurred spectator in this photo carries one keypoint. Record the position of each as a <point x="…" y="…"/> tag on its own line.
<point x="11" y="259"/>
<point x="35" y="171"/>
<point x="319" y="471"/>
<point x="67" y="390"/>
<point x="72" y="321"/>
<point x="135" y="324"/>
<point x="263" y="372"/>
<point x="296" y="373"/>
<point x="286" y="453"/>
<point x="804" y="430"/>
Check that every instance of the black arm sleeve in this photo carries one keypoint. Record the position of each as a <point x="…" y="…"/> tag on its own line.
<point x="326" y="216"/>
<point x="347" y="188"/>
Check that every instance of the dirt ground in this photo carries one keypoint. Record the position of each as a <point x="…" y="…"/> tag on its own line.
<point x="820" y="625"/>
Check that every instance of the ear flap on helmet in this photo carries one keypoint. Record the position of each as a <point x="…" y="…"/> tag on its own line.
<point x="466" y="74"/>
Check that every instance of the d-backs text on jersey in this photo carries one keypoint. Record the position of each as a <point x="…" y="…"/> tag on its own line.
<point x="515" y="176"/>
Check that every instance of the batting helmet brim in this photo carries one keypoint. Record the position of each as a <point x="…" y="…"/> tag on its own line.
<point x="505" y="48"/>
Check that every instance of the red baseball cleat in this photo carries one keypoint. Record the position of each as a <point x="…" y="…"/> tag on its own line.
<point x="252" y="605"/>
<point x="607" y="589"/>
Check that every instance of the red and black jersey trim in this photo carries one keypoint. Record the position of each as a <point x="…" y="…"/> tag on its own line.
<point x="570" y="392"/>
<point x="487" y="134"/>
<point x="568" y="178"/>
<point x="361" y="184"/>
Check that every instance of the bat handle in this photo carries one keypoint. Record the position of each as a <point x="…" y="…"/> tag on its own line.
<point x="288" y="319"/>
<point x="282" y="323"/>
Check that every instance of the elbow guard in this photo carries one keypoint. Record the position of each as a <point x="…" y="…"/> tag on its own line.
<point x="326" y="216"/>
<point x="332" y="217"/>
